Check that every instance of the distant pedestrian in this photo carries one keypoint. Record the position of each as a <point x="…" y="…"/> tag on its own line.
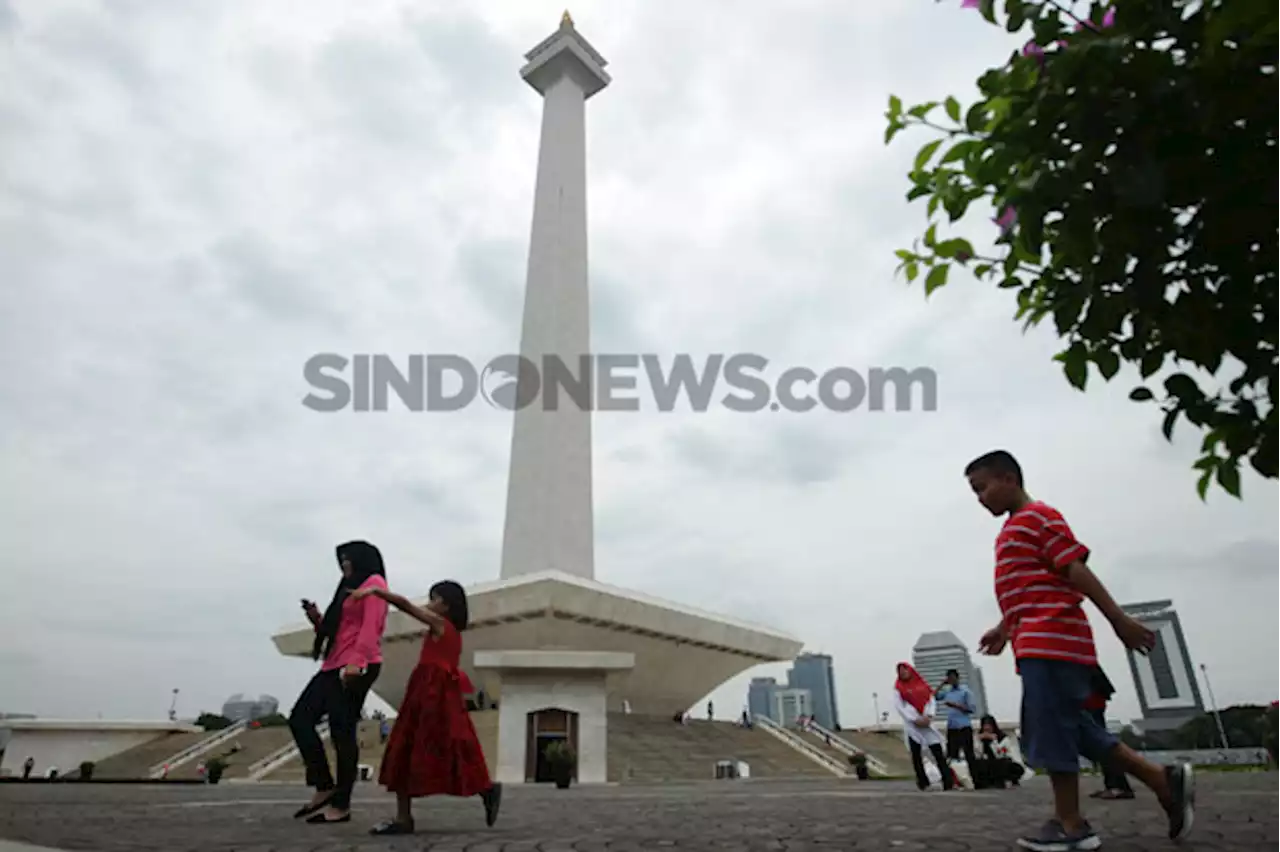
<point x="913" y="699"/>
<point x="1115" y="784"/>
<point x="958" y="700"/>
<point x="28" y="767"/>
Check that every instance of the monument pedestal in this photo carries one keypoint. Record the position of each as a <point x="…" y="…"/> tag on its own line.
<point x="550" y="696"/>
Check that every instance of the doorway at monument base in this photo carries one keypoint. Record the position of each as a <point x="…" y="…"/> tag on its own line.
<point x="551" y="697"/>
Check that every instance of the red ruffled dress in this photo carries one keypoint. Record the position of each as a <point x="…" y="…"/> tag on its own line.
<point x="433" y="749"/>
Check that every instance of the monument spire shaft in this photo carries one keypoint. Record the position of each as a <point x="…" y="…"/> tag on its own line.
<point x="550" y="520"/>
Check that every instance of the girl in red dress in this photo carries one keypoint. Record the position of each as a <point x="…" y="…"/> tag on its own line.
<point x="433" y="750"/>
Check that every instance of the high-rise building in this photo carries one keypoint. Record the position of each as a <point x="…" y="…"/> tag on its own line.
<point x="938" y="652"/>
<point x="760" y="697"/>
<point x="979" y="689"/>
<point x="1165" y="678"/>
<point x="816" y="673"/>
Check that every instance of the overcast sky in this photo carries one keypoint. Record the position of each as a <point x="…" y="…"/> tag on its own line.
<point x="196" y="196"/>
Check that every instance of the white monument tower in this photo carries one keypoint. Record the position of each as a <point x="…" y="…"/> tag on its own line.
<point x="549" y="522"/>
<point x="559" y="650"/>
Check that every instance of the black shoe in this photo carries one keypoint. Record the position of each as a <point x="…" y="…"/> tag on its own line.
<point x="320" y="819"/>
<point x="492" y="799"/>
<point x="308" y="810"/>
<point x="392" y="827"/>
<point x="1182" y="800"/>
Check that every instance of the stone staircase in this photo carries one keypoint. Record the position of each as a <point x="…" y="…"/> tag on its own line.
<point x="254" y="744"/>
<point x="889" y="749"/>
<point x="647" y="749"/>
<point x="371" y="748"/>
<point x="138" y="761"/>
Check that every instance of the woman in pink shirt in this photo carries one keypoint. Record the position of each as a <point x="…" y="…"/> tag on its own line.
<point x="349" y="640"/>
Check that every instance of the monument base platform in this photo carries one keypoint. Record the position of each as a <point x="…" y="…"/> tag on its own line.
<point x="680" y="654"/>
<point x="548" y="697"/>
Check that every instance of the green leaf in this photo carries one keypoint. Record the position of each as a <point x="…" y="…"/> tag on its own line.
<point x="1151" y="362"/>
<point x="1170" y="418"/>
<point x="959" y="151"/>
<point x="1229" y="477"/>
<point x="911" y="270"/>
<point x="937" y="278"/>
<point x="1202" y="487"/>
<point x="1211" y="439"/>
<point x="926" y="153"/>
<point x="975" y="120"/>
<point x="931" y="236"/>
<point x="957" y="248"/>
<point x="987" y="8"/>
<point x="1075" y="364"/>
<point x="892" y="130"/>
<point x="953" y="109"/>
<point x="921" y="111"/>
<point x="1108" y="362"/>
<point x="1017" y="15"/>
<point x="1183" y="387"/>
<point x="1141" y="394"/>
<point x="895" y="106"/>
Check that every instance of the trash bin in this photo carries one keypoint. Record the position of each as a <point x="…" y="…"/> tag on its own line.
<point x="726" y="769"/>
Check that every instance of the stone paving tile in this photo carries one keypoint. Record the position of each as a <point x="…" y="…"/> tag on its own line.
<point x="1237" y="812"/>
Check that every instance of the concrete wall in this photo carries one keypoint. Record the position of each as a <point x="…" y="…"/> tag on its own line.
<point x="66" y="749"/>
<point x="581" y="694"/>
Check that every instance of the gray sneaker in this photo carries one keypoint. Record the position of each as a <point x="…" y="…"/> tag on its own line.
<point x="1182" y="801"/>
<point x="1052" y="837"/>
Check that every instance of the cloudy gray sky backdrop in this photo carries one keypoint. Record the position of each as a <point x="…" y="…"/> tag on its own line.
<point x="199" y="195"/>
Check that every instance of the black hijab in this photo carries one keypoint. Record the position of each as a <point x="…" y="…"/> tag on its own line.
<point x="366" y="562"/>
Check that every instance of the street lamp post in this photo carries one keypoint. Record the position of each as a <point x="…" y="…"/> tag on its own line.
<point x="1213" y="707"/>
<point x="875" y="702"/>
<point x="173" y="707"/>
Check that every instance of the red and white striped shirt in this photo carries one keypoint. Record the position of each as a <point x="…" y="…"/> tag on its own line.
<point x="1042" y="612"/>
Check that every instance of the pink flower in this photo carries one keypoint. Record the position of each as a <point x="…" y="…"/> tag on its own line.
<point x="970" y="4"/>
<point x="1109" y="19"/>
<point x="1006" y="220"/>
<point x="1034" y="50"/>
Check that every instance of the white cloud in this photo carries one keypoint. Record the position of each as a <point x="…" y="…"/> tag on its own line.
<point x="201" y="195"/>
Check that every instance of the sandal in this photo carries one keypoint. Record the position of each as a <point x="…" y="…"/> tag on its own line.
<point x="391" y="827"/>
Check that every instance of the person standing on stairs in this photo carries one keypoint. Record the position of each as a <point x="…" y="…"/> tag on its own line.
<point x="913" y="699"/>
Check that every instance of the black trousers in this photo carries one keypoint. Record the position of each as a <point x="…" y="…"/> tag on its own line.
<point x="917" y="763"/>
<point x="1112" y="778"/>
<point x="992" y="771"/>
<point x="326" y="695"/>
<point x="960" y="741"/>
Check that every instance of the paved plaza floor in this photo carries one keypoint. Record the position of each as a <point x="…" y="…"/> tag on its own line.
<point x="1237" y="812"/>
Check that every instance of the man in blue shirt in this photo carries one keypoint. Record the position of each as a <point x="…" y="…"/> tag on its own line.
<point x="958" y="701"/>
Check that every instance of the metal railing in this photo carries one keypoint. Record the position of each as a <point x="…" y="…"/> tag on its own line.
<point x="194" y="750"/>
<point x="817" y="755"/>
<point x="261" y="768"/>
<point x="839" y="743"/>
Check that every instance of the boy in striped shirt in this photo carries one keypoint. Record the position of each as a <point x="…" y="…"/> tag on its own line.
<point x="1041" y="581"/>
